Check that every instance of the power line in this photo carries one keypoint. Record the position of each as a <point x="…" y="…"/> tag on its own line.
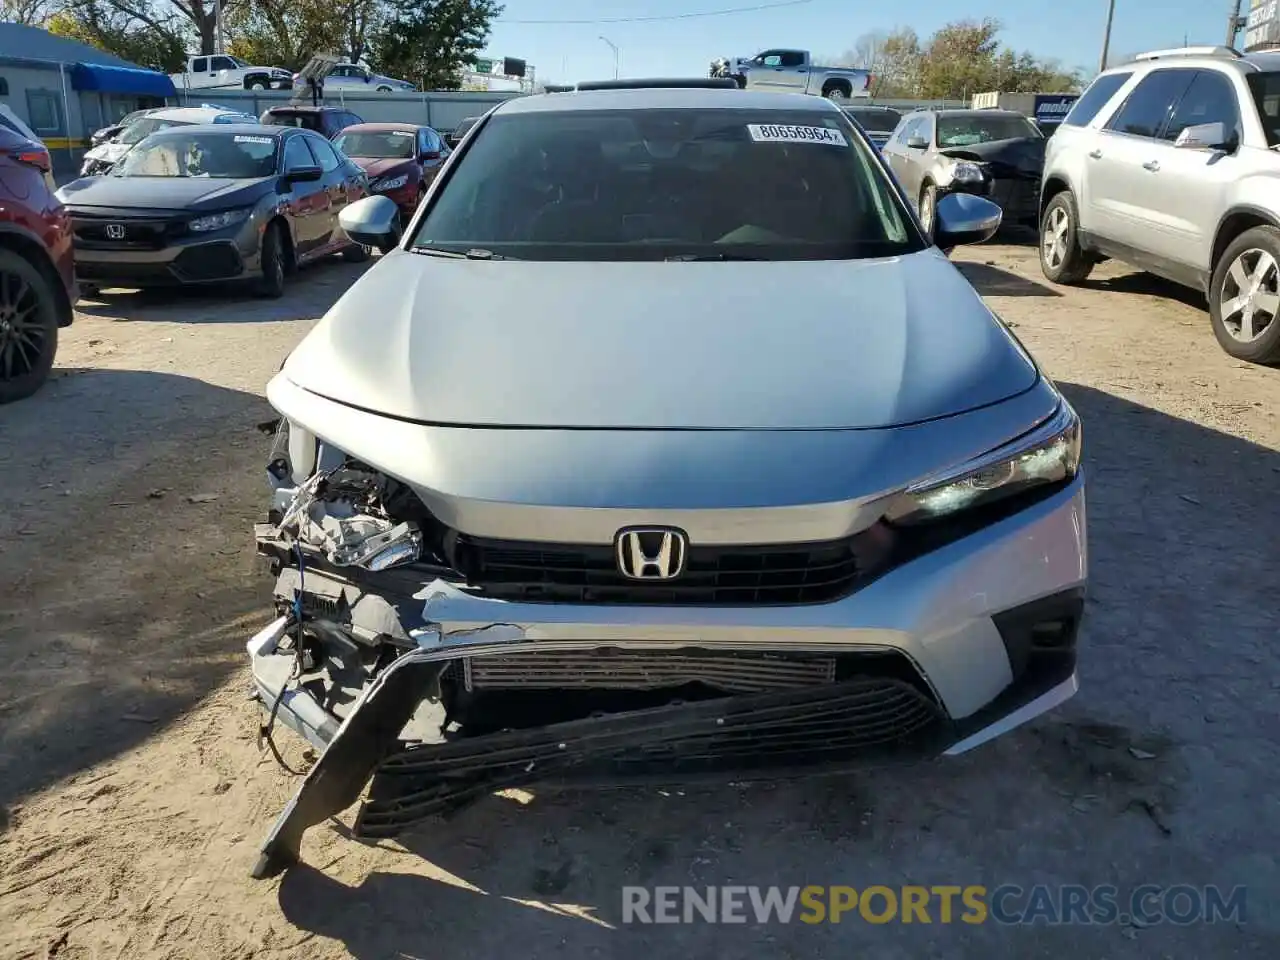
<point x="671" y="16"/>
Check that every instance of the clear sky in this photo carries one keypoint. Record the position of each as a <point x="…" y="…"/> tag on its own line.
<point x="1069" y="30"/>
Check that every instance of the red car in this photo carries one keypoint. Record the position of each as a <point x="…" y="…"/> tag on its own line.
<point x="37" y="278"/>
<point x="401" y="159"/>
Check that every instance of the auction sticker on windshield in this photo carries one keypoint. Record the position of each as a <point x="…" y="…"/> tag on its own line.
<point x="780" y="133"/>
<point x="253" y="140"/>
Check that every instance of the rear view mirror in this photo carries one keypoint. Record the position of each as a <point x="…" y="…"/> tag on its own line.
<point x="1202" y="136"/>
<point x="373" y="222"/>
<point x="917" y="142"/>
<point x="963" y="218"/>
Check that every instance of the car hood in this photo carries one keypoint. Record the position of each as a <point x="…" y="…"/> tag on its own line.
<point x="110" y="151"/>
<point x="1024" y="154"/>
<point x="166" y="193"/>
<point x="664" y="345"/>
<point x="381" y="167"/>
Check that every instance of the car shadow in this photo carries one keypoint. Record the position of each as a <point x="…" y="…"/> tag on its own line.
<point x="319" y="280"/>
<point x="129" y="575"/>
<point x="1148" y="285"/>
<point x="993" y="281"/>
<point x="1124" y="784"/>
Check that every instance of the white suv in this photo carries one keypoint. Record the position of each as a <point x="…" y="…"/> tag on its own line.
<point x="1169" y="163"/>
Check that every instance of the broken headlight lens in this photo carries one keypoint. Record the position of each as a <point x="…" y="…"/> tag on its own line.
<point x="1047" y="455"/>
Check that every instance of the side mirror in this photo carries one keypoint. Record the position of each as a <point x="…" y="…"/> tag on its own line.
<point x="430" y="155"/>
<point x="917" y="142"/>
<point x="1202" y="136"/>
<point x="373" y="222"/>
<point x="304" y="174"/>
<point x="962" y="218"/>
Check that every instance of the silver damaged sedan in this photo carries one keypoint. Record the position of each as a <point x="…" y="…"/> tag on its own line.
<point x="661" y="444"/>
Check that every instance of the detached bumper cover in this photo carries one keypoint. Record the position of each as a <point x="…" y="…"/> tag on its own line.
<point x="987" y="626"/>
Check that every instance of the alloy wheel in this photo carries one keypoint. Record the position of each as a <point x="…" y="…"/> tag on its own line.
<point x="926" y="210"/>
<point x="1054" y="241"/>
<point x="22" y="335"/>
<point x="1249" y="301"/>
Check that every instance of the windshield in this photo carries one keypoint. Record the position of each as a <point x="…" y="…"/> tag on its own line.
<point x="967" y="129"/>
<point x="204" y="154"/>
<point x="387" y="144"/>
<point x="238" y="62"/>
<point x="653" y="184"/>
<point x="1266" y="96"/>
<point x="145" y="127"/>
<point x="876" y="119"/>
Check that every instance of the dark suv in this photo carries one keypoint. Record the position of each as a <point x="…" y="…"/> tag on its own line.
<point x="326" y="121"/>
<point x="37" y="280"/>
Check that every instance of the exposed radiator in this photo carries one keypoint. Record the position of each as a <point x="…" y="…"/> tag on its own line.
<point x="646" y="670"/>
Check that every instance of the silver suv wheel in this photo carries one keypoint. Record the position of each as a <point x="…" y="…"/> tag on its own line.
<point x="1055" y="238"/>
<point x="1249" y="299"/>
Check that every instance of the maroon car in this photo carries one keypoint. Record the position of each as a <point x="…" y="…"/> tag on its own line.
<point x="37" y="280"/>
<point x="401" y="159"/>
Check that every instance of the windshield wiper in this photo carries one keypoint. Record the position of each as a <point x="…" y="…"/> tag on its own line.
<point x="698" y="258"/>
<point x="476" y="253"/>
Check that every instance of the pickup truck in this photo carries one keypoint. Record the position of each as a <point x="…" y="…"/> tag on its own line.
<point x="792" y="71"/>
<point x="220" y="70"/>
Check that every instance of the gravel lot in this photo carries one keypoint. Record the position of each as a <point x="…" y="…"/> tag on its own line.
<point x="133" y="795"/>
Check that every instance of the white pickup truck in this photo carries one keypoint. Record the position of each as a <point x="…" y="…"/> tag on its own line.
<point x="792" y="71"/>
<point x="221" y="70"/>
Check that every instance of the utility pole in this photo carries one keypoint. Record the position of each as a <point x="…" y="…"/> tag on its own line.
<point x="1106" y="37"/>
<point x="1234" y="23"/>
<point x="614" y="48"/>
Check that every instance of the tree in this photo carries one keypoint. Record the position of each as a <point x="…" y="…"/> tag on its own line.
<point x="430" y="41"/>
<point x="284" y="33"/>
<point x="899" y="57"/>
<point x="33" y="13"/>
<point x="959" y="59"/>
<point x="146" y="36"/>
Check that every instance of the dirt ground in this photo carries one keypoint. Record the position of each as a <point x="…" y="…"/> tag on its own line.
<point x="133" y="794"/>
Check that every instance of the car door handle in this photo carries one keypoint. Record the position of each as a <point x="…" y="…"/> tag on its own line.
<point x="1095" y="154"/>
<point x="1152" y="165"/>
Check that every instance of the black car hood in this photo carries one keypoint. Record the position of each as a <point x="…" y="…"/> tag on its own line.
<point x="1023" y="154"/>
<point x="163" y="193"/>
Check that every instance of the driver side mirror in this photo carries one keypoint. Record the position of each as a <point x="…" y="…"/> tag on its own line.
<point x="304" y="174"/>
<point x="962" y="218"/>
<point x="917" y="142"/>
<point x="1203" y="136"/>
<point x="372" y="222"/>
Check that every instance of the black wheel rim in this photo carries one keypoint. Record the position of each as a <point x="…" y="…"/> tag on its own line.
<point x="22" y="333"/>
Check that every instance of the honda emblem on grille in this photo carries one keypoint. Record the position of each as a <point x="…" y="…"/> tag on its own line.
<point x="651" y="553"/>
<point x="115" y="231"/>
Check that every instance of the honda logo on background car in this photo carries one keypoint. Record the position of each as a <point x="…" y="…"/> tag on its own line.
<point x="115" y="231"/>
<point x="651" y="553"/>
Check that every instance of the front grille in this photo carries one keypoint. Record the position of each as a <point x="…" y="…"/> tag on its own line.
<point x="793" y="573"/>
<point x="124" y="273"/>
<point x="763" y="734"/>
<point x="618" y="669"/>
<point x="209" y="261"/>
<point x="104" y="233"/>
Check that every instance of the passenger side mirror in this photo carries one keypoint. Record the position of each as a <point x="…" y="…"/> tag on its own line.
<point x="962" y="218"/>
<point x="917" y="142"/>
<point x="304" y="174"/>
<point x="429" y="155"/>
<point x="373" y="222"/>
<point x="1202" y="136"/>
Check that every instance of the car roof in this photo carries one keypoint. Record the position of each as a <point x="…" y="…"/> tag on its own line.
<point x="664" y="98"/>
<point x="190" y="114"/>
<point x="301" y="108"/>
<point x="981" y="112"/>
<point x="1261" y="61"/>
<point x="385" y="127"/>
<point x="256" y="129"/>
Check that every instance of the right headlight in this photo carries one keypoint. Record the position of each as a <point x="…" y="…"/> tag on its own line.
<point x="1047" y="455"/>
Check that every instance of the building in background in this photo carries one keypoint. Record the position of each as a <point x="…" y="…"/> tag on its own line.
<point x="500" y="74"/>
<point x="64" y="90"/>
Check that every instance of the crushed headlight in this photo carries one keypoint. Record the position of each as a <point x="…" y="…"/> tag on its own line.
<point x="1047" y="455"/>
<point x="966" y="172"/>
<point x="392" y="183"/>
<point x="216" y="221"/>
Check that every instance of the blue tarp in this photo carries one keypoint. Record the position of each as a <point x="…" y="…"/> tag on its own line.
<point x="127" y="80"/>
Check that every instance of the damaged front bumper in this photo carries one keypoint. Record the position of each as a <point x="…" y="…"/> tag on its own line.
<point x="937" y="656"/>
